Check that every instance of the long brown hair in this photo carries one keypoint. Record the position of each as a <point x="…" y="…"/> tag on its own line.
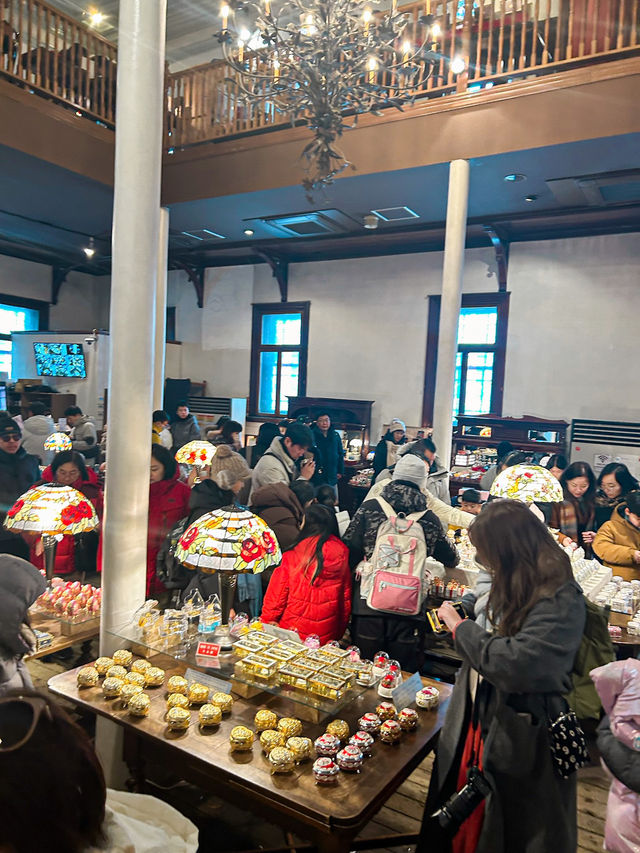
<point x="52" y="787"/>
<point x="526" y="563"/>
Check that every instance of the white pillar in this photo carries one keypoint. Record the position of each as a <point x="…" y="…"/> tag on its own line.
<point x="450" y="307"/>
<point x="136" y="222"/>
<point x="161" y="309"/>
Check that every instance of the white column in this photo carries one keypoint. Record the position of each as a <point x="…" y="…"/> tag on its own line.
<point x="450" y="307"/>
<point x="136" y="223"/>
<point x="161" y="309"/>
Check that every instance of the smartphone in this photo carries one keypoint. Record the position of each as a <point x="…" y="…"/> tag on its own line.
<point x="436" y="624"/>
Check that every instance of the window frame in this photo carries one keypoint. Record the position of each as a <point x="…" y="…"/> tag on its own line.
<point x="496" y="299"/>
<point x="261" y="310"/>
<point x="34" y="304"/>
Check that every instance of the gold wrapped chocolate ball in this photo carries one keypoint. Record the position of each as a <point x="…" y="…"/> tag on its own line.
<point x="117" y="672"/>
<point x="88" y="676"/>
<point x="178" y="719"/>
<point x="408" y="719"/>
<point x="390" y="731"/>
<point x="198" y="693"/>
<point x="139" y="705"/>
<point x="123" y="657"/>
<point x="178" y="684"/>
<point x="270" y="739"/>
<point x="223" y="701"/>
<point x="241" y="739"/>
<point x="386" y="711"/>
<point x="301" y="748"/>
<point x="339" y="728"/>
<point x="128" y="692"/>
<point x="103" y="664"/>
<point x="281" y="760"/>
<point x="154" y="677"/>
<point x="209" y="715"/>
<point x="111" y="687"/>
<point x="290" y="727"/>
<point x="265" y="720"/>
<point x="140" y="665"/>
<point x="136" y="678"/>
<point x="177" y="700"/>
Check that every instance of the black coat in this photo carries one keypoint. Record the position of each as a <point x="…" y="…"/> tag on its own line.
<point x="380" y="458"/>
<point x="18" y="472"/>
<point x="623" y="762"/>
<point x="530" y="809"/>
<point x="330" y="456"/>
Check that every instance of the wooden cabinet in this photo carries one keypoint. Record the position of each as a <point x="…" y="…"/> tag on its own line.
<point x="529" y="434"/>
<point x="351" y="418"/>
<point x="57" y="403"/>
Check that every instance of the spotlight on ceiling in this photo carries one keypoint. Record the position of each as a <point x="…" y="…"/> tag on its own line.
<point x="515" y="178"/>
<point x="370" y="221"/>
<point x="249" y="232"/>
<point x="90" y="250"/>
<point x="96" y="18"/>
<point x="531" y="198"/>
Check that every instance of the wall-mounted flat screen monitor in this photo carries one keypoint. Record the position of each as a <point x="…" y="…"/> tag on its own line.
<point x="57" y="359"/>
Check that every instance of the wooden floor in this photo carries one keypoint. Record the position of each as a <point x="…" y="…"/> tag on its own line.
<point x="402" y="813"/>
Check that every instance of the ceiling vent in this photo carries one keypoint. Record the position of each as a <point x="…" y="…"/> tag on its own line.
<point x="602" y="190"/>
<point x="395" y="214"/>
<point x="315" y="223"/>
<point x="203" y="234"/>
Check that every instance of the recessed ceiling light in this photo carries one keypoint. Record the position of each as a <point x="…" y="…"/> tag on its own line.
<point x="515" y="178"/>
<point x="531" y="198"/>
<point x="249" y="232"/>
<point x="370" y="221"/>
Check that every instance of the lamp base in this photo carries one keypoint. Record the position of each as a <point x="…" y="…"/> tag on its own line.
<point x="50" y="546"/>
<point x="222" y="634"/>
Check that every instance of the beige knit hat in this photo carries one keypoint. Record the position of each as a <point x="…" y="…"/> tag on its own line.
<point x="227" y="467"/>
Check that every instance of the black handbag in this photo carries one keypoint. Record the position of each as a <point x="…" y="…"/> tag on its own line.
<point x="568" y="745"/>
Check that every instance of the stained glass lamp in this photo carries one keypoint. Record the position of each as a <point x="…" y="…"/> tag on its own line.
<point x="52" y="511"/>
<point x="229" y="541"/>
<point x="57" y="442"/>
<point x="527" y="483"/>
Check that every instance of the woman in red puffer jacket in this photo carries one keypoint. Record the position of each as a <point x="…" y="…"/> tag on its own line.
<point x="68" y="469"/>
<point x="310" y="592"/>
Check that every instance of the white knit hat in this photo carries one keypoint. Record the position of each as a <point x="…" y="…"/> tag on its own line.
<point x="412" y="469"/>
<point x="397" y="425"/>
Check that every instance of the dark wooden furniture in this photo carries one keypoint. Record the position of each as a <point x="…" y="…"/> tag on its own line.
<point x="519" y="431"/>
<point x="56" y="403"/>
<point x="350" y="416"/>
<point x="329" y="817"/>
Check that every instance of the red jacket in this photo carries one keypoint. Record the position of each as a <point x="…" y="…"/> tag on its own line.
<point x="65" y="552"/>
<point x="321" y="608"/>
<point x="168" y="503"/>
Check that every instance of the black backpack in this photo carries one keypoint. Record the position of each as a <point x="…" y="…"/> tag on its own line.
<point x="168" y="570"/>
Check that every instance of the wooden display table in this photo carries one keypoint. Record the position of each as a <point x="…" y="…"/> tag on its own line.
<point x="82" y="633"/>
<point x="330" y="817"/>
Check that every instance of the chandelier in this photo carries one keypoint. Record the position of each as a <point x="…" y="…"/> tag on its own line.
<point x="324" y="62"/>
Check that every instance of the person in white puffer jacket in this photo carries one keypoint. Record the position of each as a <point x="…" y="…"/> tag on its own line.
<point x="36" y="429"/>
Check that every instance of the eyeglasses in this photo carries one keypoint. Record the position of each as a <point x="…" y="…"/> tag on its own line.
<point x="19" y="717"/>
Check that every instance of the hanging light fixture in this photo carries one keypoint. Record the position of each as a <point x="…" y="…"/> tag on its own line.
<point x="324" y="62"/>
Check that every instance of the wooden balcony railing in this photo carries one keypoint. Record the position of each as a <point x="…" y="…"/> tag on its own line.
<point x="500" y="41"/>
<point x="58" y="57"/>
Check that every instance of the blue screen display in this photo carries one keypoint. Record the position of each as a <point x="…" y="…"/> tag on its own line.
<point x="60" y="360"/>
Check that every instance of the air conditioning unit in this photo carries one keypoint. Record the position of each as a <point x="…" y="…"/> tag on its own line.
<point x="602" y="442"/>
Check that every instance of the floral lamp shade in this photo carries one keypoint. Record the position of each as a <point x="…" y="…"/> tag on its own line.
<point x="231" y="540"/>
<point x="199" y="453"/>
<point x="50" y="510"/>
<point x="527" y="483"/>
<point x="57" y="442"/>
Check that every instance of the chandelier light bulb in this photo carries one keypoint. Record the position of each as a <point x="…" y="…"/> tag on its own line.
<point x="436" y="31"/>
<point x="224" y="14"/>
<point x="95" y="19"/>
<point x="367" y="16"/>
<point x="458" y="65"/>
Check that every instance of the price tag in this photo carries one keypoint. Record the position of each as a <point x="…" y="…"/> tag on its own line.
<point x="405" y="693"/>
<point x="282" y="633"/>
<point x="216" y="685"/>
<point x="208" y="650"/>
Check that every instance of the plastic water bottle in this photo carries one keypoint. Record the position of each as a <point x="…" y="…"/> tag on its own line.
<point x="210" y="615"/>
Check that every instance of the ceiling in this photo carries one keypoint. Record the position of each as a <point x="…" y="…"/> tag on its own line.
<point x="36" y="226"/>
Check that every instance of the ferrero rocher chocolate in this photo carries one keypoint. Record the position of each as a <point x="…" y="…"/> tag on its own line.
<point x="140" y="665"/>
<point x="370" y="723"/>
<point x="428" y="698"/>
<point x="128" y="692"/>
<point x="290" y="727"/>
<point x="281" y="760"/>
<point x="178" y="684"/>
<point x="408" y="719"/>
<point x="111" y="687"/>
<point x="88" y="676"/>
<point x="177" y="700"/>
<point x="390" y="731"/>
<point x="154" y="677"/>
<point x="265" y="720"/>
<point x="198" y="693"/>
<point x="136" y="678"/>
<point x="178" y="719"/>
<point x="139" y="705"/>
<point x="327" y="744"/>
<point x="223" y="701"/>
<point x="364" y="742"/>
<point x="350" y="759"/>
<point x="325" y="771"/>
<point x="103" y="664"/>
<point x="241" y="739"/>
<point x="386" y="711"/>
<point x="117" y="672"/>
<point x="339" y="728"/>
<point x="301" y="747"/>
<point x="123" y="657"/>
<point x="209" y="715"/>
<point x="269" y="739"/>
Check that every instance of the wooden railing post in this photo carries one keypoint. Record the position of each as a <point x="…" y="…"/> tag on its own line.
<point x="463" y="79"/>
